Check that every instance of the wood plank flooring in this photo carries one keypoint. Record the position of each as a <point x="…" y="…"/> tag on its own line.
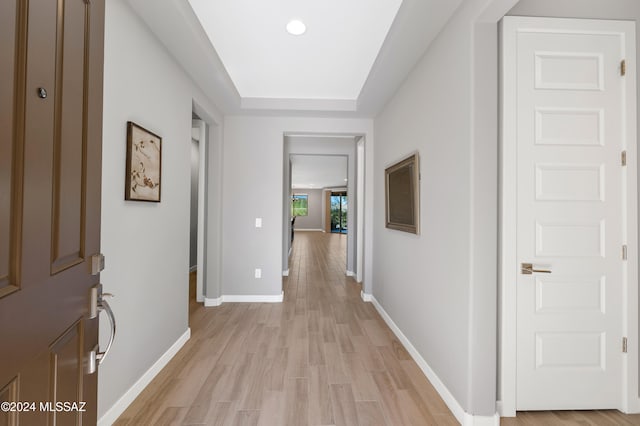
<point x="323" y="357"/>
<point x="572" y="418"/>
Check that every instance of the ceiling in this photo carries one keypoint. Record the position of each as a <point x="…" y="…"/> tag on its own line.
<point x="330" y="61"/>
<point x="254" y="67"/>
<point x="318" y="171"/>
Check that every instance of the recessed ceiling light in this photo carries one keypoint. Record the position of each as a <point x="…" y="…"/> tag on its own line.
<point x="296" y="27"/>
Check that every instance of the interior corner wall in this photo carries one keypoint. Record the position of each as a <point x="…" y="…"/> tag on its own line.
<point x="253" y="187"/>
<point x="146" y="244"/>
<point x="213" y="212"/>
<point x="313" y="220"/>
<point x="440" y="287"/>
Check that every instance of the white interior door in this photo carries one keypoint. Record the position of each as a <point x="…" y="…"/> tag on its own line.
<point x="570" y="122"/>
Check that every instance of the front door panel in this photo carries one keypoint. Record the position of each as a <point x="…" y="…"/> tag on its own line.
<point x="50" y="158"/>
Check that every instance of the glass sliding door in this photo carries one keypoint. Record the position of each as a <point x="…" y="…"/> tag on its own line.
<point x="339" y="208"/>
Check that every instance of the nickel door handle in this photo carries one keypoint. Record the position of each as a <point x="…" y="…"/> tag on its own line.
<point x="103" y="305"/>
<point x="528" y="269"/>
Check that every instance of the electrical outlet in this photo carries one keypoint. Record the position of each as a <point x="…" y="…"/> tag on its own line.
<point x="258" y="273"/>
<point x="258" y="222"/>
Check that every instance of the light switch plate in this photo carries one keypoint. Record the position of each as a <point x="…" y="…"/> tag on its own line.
<point x="258" y="273"/>
<point x="258" y="222"/>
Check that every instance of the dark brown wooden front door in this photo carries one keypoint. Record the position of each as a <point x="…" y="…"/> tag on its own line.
<point x="51" y="61"/>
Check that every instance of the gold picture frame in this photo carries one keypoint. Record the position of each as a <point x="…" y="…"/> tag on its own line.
<point x="144" y="164"/>
<point x="402" y="195"/>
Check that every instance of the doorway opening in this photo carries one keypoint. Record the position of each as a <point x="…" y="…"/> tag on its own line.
<point x="339" y="172"/>
<point x="193" y="207"/>
<point x="197" y="208"/>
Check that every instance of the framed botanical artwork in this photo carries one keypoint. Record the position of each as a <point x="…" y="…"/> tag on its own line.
<point x="402" y="195"/>
<point x="144" y="164"/>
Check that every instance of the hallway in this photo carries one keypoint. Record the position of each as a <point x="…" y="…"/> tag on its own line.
<point x="322" y="357"/>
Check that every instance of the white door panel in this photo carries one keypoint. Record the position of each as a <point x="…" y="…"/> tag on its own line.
<point x="569" y="135"/>
<point x="569" y="182"/>
<point x="569" y="126"/>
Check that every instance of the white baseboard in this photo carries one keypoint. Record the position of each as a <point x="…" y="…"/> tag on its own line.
<point x="351" y="274"/>
<point x="285" y="273"/>
<point x="464" y="418"/>
<point x="471" y="420"/>
<point x="193" y="268"/>
<point x="277" y="298"/>
<point x="365" y="297"/>
<point x="129" y="396"/>
<point x="242" y="298"/>
<point x="209" y="302"/>
<point x="309" y="230"/>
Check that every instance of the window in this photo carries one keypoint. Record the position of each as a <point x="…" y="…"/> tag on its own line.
<point x="300" y="205"/>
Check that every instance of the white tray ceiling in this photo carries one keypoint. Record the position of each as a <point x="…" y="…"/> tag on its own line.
<point x="330" y="61"/>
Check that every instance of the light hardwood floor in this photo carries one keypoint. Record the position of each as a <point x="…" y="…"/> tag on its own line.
<point x="323" y="357"/>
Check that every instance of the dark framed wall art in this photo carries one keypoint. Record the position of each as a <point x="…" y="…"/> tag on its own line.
<point x="402" y="195"/>
<point x="144" y="164"/>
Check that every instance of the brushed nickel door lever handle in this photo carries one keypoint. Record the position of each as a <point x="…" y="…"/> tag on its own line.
<point x="528" y="269"/>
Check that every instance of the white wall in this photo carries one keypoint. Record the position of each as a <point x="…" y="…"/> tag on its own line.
<point x="146" y="244"/>
<point x="440" y="287"/>
<point x="212" y="192"/>
<point x="254" y="187"/>
<point x="314" y="218"/>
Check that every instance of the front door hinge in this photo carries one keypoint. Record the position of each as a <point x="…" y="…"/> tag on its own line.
<point x="624" y="158"/>
<point x="623" y="68"/>
<point x="624" y="345"/>
<point x="624" y="252"/>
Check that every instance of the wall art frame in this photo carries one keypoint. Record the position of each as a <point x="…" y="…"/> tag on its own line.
<point x="144" y="165"/>
<point x="402" y="195"/>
